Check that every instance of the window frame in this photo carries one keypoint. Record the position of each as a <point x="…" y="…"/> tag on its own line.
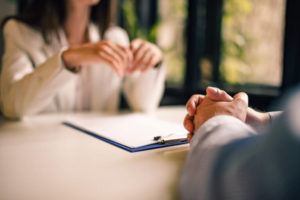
<point x="206" y="29"/>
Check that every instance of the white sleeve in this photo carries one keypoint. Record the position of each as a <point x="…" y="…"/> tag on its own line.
<point x="144" y="91"/>
<point x="27" y="89"/>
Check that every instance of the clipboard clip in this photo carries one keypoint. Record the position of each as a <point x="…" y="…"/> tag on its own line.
<point x="165" y="140"/>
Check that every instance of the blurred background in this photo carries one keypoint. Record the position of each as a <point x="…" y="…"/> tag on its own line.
<point x="237" y="45"/>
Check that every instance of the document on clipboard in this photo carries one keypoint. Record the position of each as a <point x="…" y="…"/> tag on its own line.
<point x="132" y="132"/>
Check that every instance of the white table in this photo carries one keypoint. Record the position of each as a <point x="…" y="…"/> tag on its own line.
<point x="42" y="159"/>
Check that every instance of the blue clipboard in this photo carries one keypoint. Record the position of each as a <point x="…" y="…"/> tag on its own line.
<point x="132" y="150"/>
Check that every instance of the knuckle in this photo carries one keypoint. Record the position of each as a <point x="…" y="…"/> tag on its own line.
<point x="245" y="94"/>
<point x="194" y="96"/>
<point x="113" y="62"/>
<point x="101" y="53"/>
<point x="107" y="42"/>
<point x="222" y="92"/>
<point x="100" y="45"/>
<point x="122" y="48"/>
<point x="242" y="101"/>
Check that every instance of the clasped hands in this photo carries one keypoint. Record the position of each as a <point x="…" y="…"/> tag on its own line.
<point x="139" y="56"/>
<point x="201" y="108"/>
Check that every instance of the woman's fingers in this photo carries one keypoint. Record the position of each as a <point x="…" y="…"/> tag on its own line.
<point x="145" y="55"/>
<point x="142" y="63"/>
<point x="111" y="53"/>
<point x="120" y="55"/>
<point x="115" y="55"/>
<point x="151" y="62"/>
<point x="135" y="45"/>
<point x="105" y="57"/>
<point x="117" y="50"/>
<point x="139" y="55"/>
<point x="123" y="52"/>
<point x="129" y="56"/>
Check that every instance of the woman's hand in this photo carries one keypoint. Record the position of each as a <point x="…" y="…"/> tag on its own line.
<point x="111" y="53"/>
<point x="145" y="55"/>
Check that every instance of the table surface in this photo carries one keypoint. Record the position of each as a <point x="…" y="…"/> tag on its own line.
<point x="42" y="159"/>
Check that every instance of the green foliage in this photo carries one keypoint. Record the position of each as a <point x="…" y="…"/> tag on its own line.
<point x="172" y="17"/>
<point x="132" y="24"/>
<point x="235" y="40"/>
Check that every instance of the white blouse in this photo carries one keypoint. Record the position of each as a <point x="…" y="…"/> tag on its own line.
<point x="34" y="79"/>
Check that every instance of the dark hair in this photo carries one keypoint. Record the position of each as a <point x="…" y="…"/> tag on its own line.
<point x="48" y="16"/>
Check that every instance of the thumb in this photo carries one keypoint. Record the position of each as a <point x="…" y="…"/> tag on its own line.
<point x="218" y="95"/>
<point x="241" y="98"/>
<point x="134" y="44"/>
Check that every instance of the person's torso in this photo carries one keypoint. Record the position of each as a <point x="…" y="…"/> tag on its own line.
<point x="96" y="87"/>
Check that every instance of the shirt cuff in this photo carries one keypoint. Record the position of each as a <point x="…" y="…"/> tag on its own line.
<point x="54" y="69"/>
<point x="221" y="130"/>
<point x="274" y="115"/>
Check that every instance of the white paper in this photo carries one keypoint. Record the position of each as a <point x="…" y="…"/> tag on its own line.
<point x="132" y="130"/>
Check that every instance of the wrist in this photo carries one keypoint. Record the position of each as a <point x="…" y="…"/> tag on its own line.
<point x="70" y="61"/>
<point x="257" y="118"/>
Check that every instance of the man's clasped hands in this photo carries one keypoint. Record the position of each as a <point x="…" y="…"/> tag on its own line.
<point x="201" y="108"/>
